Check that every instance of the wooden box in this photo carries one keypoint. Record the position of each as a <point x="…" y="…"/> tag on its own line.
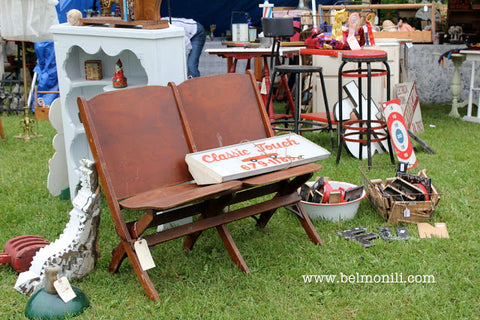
<point x="41" y="113"/>
<point x="93" y="70"/>
<point x="415" y="36"/>
<point x="394" y="211"/>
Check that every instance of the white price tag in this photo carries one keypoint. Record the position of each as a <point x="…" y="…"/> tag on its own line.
<point x="144" y="255"/>
<point x="263" y="87"/>
<point x="353" y="42"/>
<point x="406" y="213"/>
<point x="64" y="289"/>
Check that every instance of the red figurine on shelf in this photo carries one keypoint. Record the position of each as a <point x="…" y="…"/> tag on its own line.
<point x="119" y="79"/>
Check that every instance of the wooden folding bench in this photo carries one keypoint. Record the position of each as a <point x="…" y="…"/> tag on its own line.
<point x="139" y="138"/>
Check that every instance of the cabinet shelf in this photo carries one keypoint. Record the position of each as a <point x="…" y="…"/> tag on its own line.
<point x="89" y="83"/>
<point x="149" y="57"/>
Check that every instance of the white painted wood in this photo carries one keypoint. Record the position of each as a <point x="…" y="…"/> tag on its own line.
<point x="351" y="89"/>
<point x="253" y="158"/>
<point x="149" y="57"/>
<point x="408" y="95"/>
<point x="57" y="179"/>
<point x="473" y="56"/>
<point x="75" y="251"/>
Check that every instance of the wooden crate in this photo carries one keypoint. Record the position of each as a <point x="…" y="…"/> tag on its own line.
<point x="41" y="113"/>
<point x="41" y="109"/>
<point x="414" y="36"/>
<point x="394" y="211"/>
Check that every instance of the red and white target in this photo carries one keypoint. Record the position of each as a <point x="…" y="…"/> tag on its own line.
<point x="398" y="132"/>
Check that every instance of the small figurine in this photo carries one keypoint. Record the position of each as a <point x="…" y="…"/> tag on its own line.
<point x="106" y="6"/>
<point x="119" y="79"/>
<point x="73" y="17"/>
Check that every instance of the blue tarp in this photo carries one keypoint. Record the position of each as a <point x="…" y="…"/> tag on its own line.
<point x="46" y="67"/>
<point x="46" y="70"/>
<point x="219" y="13"/>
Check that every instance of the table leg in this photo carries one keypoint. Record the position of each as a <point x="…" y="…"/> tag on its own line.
<point x="266" y="76"/>
<point x="2" y="134"/>
<point x="456" y="86"/>
<point x="469" y="116"/>
<point x="257" y="65"/>
<point x="231" y="65"/>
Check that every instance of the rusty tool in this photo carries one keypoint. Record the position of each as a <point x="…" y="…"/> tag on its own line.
<point x="19" y="251"/>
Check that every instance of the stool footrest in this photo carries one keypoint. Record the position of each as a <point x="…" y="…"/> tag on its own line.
<point x="363" y="73"/>
<point x="380" y="136"/>
<point x="350" y="124"/>
<point x="316" y="125"/>
<point x="378" y="130"/>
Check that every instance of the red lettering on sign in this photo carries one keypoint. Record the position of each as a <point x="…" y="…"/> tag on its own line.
<point x="214" y="157"/>
<point x="262" y="147"/>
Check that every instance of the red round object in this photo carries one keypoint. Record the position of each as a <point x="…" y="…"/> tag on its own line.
<point x="327" y="188"/>
<point x="425" y="191"/>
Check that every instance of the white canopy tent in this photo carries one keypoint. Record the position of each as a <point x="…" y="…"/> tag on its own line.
<point x="27" y="20"/>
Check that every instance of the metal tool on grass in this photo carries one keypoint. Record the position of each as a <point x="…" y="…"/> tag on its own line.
<point x="19" y="251"/>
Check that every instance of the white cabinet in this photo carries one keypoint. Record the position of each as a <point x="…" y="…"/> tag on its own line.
<point x="331" y="64"/>
<point x="149" y="57"/>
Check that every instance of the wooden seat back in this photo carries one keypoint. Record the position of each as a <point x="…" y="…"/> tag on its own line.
<point x="138" y="136"/>
<point x="223" y="110"/>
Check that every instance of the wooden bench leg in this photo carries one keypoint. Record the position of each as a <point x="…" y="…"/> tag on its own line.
<point x="119" y="254"/>
<point x="307" y="224"/>
<point x="2" y="134"/>
<point x="264" y="218"/>
<point x="232" y="248"/>
<point x="213" y="207"/>
<point x="190" y="239"/>
<point x="287" y="188"/>
<point x="141" y="274"/>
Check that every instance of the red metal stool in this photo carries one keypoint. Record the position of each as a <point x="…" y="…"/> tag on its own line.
<point x="361" y="130"/>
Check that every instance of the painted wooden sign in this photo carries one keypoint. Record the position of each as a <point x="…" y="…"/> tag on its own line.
<point x="253" y="158"/>
<point x="398" y="132"/>
<point x="408" y="95"/>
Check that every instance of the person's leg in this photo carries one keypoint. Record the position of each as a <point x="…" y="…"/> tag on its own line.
<point x="198" y="41"/>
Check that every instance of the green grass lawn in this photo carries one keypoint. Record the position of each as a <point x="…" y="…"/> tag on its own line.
<point x="205" y="284"/>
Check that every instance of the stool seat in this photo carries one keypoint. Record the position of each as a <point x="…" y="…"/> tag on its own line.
<point x="297" y="68"/>
<point x="364" y="56"/>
